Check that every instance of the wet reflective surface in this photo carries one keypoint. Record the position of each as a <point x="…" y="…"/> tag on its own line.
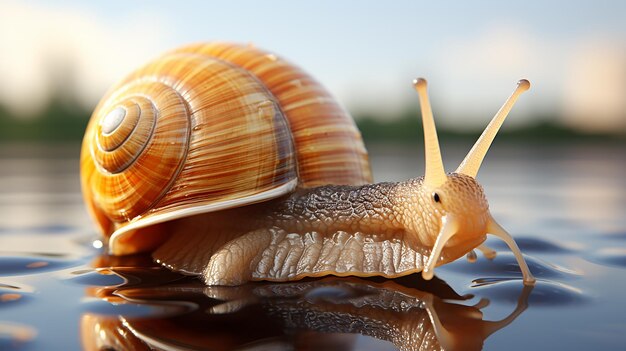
<point x="564" y="205"/>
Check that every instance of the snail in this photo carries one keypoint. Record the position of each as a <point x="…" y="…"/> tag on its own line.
<point x="228" y="162"/>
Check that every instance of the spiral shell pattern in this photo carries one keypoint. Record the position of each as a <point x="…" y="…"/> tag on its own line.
<point x="209" y="127"/>
<point x="148" y="141"/>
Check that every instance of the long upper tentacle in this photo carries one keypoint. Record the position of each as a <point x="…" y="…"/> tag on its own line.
<point x="473" y="160"/>
<point x="435" y="174"/>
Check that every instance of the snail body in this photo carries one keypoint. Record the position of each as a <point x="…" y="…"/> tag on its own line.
<point x="230" y="163"/>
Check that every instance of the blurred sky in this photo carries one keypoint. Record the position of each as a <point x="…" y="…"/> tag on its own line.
<point x="364" y="52"/>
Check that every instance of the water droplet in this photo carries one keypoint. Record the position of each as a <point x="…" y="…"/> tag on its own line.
<point x="471" y="256"/>
<point x="97" y="244"/>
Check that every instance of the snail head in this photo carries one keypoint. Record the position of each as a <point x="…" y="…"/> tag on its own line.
<point x="459" y="212"/>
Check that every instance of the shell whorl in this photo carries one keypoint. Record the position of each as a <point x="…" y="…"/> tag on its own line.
<point x="141" y="134"/>
<point x="329" y="146"/>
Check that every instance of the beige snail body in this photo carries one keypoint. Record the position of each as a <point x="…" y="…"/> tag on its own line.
<point x="228" y="162"/>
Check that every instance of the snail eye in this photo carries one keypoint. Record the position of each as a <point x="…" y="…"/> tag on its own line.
<point x="436" y="197"/>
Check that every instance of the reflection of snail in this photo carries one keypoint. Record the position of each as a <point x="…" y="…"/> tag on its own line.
<point x="174" y="156"/>
<point x="281" y="316"/>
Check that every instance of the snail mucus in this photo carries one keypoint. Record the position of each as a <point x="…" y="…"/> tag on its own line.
<point x="228" y="162"/>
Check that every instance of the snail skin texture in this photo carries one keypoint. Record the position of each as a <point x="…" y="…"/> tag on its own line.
<point x="228" y="162"/>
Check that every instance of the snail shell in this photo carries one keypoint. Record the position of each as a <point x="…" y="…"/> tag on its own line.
<point x="209" y="127"/>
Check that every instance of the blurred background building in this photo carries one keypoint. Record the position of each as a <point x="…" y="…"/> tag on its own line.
<point x="57" y="58"/>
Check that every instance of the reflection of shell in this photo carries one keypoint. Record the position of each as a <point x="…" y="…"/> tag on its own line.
<point x="107" y="333"/>
<point x="208" y="127"/>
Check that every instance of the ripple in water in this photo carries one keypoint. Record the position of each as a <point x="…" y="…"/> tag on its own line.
<point x="53" y="229"/>
<point x="130" y="309"/>
<point x="544" y="293"/>
<point x="12" y="294"/>
<point x="329" y="294"/>
<point x="505" y="265"/>
<point x="43" y="229"/>
<point x="530" y="244"/>
<point x="14" y="336"/>
<point x="16" y="287"/>
<point x="615" y="257"/>
<point x="615" y="235"/>
<point x="14" y="265"/>
<point x="9" y="298"/>
<point x="101" y="277"/>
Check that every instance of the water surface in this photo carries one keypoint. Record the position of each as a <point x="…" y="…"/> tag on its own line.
<point x="563" y="203"/>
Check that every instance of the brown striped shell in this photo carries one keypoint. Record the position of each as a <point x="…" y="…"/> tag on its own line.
<point x="209" y="127"/>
